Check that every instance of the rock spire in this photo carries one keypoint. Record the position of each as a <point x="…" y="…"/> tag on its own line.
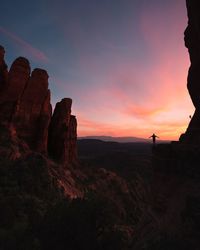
<point x="26" y="112"/>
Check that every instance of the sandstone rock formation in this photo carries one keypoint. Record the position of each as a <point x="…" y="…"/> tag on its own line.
<point x="62" y="133"/>
<point x="3" y="68"/>
<point x="192" y="42"/>
<point x="25" y="112"/>
<point x="33" y="112"/>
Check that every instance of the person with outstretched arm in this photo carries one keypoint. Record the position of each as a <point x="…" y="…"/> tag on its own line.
<point x="154" y="138"/>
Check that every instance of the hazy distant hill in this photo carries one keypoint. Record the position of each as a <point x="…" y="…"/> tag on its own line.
<point x="119" y="139"/>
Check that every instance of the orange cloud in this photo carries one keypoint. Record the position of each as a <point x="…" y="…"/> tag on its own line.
<point x="166" y="129"/>
<point x="142" y="112"/>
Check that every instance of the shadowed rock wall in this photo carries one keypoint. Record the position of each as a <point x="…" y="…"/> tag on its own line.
<point x="192" y="42"/>
<point x="175" y="183"/>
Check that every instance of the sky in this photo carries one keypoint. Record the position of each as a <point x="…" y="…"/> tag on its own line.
<point x="123" y="62"/>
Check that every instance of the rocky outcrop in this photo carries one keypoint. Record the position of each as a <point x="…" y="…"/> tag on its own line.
<point x="33" y="111"/>
<point x="3" y="69"/>
<point x="26" y="112"/>
<point x="14" y="86"/>
<point x="18" y="77"/>
<point x="62" y="133"/>
<point x="192" y="42"/>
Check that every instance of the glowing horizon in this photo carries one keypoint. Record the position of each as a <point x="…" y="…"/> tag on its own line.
<point x="123" y="63"/>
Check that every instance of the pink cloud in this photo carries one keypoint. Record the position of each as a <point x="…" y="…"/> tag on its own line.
<point x="88" y="125"/>
<point x="142" y="112"/>
<point x="35" y="53"/>
<point x="118" y="104"/>
<point x="126" y="96"/>
<point x="134" y="100"/>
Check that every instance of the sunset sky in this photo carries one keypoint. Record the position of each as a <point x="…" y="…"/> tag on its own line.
<point x="123" y="62"/>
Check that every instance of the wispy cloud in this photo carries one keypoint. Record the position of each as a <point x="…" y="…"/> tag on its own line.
<point x="30" y="50"/>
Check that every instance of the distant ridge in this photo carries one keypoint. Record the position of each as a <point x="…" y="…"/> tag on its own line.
<point x="120" y="139"/>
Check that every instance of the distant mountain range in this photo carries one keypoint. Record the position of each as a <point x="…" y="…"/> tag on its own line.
<point x="120" y="139"/>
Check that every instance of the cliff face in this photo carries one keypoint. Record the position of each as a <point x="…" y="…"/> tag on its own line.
<point x="192" y="42"/>
<point x="26" y="113"/>
<point x="62" y="133"/>
<point x="175" y="184"/>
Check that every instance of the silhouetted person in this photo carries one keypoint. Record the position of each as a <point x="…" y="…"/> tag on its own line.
<point x="154" y="138"/>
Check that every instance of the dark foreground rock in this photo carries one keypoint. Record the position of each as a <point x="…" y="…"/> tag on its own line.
<point x="176" y="195"/>
<point x="175" y="187"/>
<point x="192" y="38"/>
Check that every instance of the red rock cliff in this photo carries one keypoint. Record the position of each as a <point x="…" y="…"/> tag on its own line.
<point x="62" y="133"/>
<point x="33" y="112"/>
<point x="25" y="110"/>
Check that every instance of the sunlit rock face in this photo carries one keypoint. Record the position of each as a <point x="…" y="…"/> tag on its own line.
<point x="192" y="42"/>
<point x="62" y="133"/>
<point x="26" y="113"/>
